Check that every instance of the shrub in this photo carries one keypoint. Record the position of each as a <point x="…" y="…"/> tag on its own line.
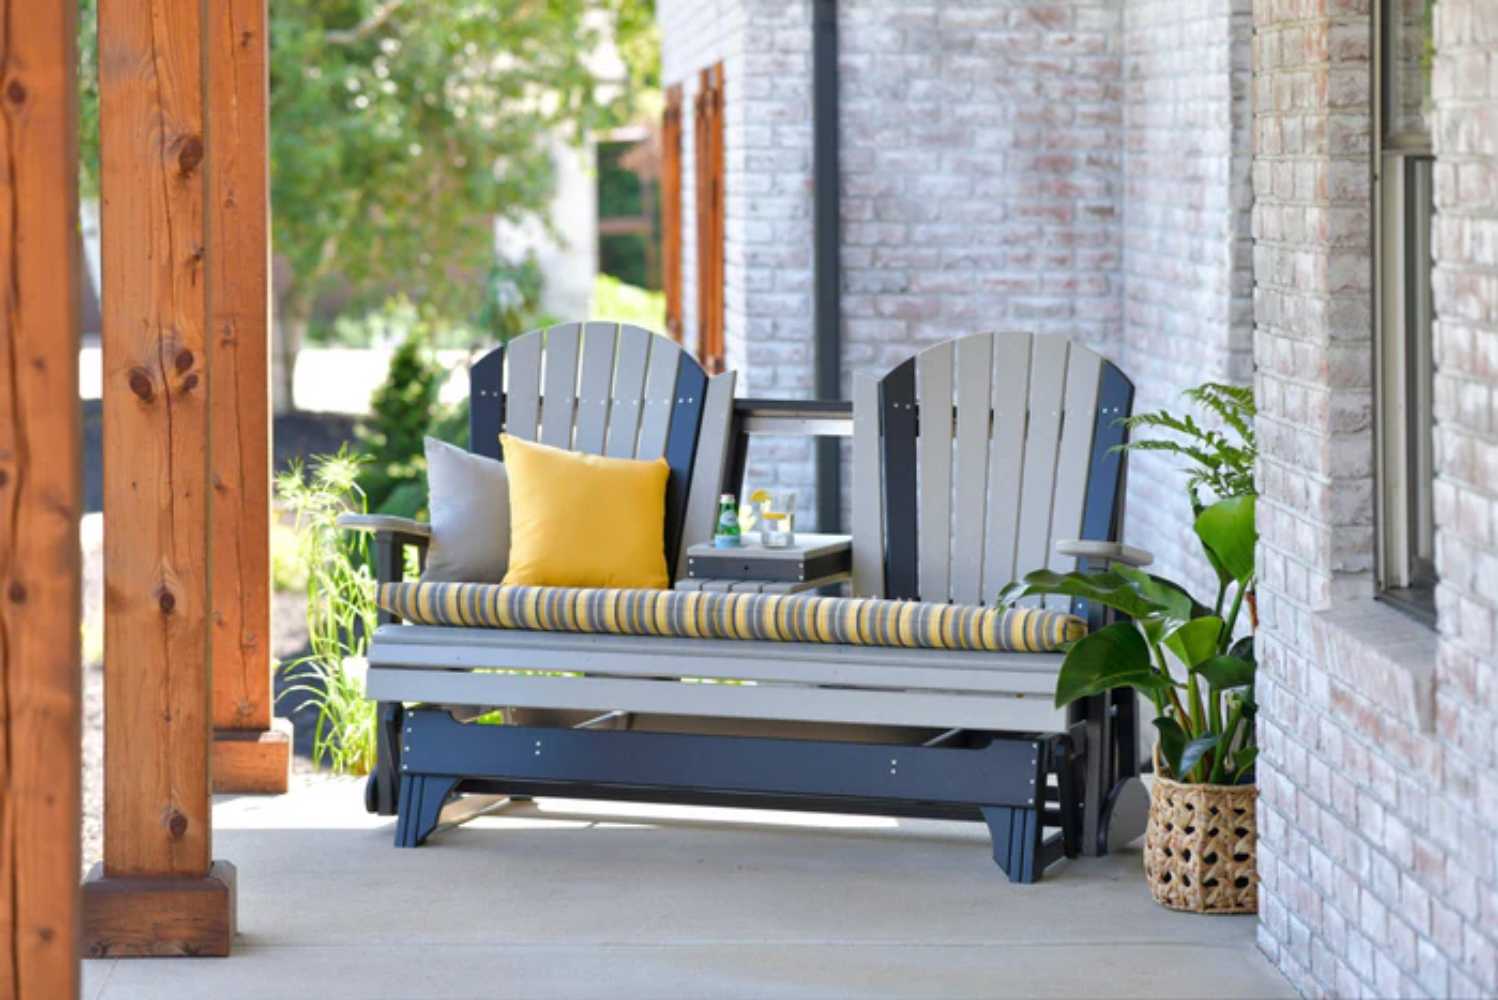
<point x="393" y="476"/>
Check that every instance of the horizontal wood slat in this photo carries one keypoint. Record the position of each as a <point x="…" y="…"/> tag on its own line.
<point x="440" y="647"/>
<point x="788" y="702"/>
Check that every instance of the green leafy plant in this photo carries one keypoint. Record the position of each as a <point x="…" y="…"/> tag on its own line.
<point x="1219" y="460"/>
<point x="341" y="614"/>
<point x="1185" y="656"/>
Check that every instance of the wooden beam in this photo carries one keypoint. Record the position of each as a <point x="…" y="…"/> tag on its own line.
<point x="40" y="499"/>
<point x="250" y="752"/>
<point x="157" y="807"/>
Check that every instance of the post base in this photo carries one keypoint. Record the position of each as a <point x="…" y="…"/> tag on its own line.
<point x="144" y="916"/>
<point x="252" y="761"/>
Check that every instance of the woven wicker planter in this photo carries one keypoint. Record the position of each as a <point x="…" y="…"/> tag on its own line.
<point x="1199" y="847"/>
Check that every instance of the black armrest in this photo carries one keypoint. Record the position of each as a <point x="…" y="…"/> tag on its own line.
<point x="386" y="522"/>
<point x="391" y="536"/>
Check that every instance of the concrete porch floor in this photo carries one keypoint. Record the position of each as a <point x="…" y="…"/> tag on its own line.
<point x="573" y="899"/>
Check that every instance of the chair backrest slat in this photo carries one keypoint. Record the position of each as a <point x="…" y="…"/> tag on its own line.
<point x="1037" y="497"/>
<point x="933" y="377"/>
<point x="486" y="403"/>
<point x="1010" y="387"/>
<point x="660" y="397"/>
<point x="708" y="467"/>
<point x="974" y="358"/>
<point x="523" y="387"/>
<point x="1078" y="417"/>
<point x="595" y="387"/>
<point x="868" y="490"/>
<point x="973" y="459"/>
<point x="897" y="429"/>
<point x="559" y="397"/>
<point x="629" y="392"/>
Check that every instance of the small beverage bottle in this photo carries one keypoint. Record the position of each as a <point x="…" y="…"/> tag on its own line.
<point x="727" y="534"/>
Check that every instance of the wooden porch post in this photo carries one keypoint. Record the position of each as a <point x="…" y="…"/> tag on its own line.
<point x="158" y="890"/>
<point x="40" y="499"/>
<point x="251" y="748"/>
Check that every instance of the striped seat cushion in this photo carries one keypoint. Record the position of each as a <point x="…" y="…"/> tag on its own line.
<point x="713" y="615"/>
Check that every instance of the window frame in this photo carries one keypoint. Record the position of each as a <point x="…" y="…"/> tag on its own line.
<point x="1403" y="392"/>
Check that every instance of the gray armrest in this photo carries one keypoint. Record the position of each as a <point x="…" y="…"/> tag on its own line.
<point x="385" y="522"/>
<point x="1112" y="551"/>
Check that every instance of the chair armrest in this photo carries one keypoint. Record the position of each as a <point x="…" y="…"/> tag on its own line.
<point x="416" y="530"/>
<point x="1112" y="551"/>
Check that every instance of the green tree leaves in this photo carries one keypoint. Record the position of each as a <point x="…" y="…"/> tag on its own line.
<point x="400" y="129"/>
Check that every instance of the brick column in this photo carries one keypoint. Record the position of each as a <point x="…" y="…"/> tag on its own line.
<point x="1313" y="348"/>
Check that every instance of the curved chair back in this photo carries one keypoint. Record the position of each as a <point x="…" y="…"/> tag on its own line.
<point x="618" y="390"/>
<point x="973" y="458"/>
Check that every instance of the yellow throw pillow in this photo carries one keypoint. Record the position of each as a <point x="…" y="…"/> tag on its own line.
<point x="584" y="520"/>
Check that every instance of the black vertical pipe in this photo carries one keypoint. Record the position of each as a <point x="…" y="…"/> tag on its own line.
<point x="827" y="239"/>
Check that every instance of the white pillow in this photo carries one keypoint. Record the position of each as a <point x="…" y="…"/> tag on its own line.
<point x="469" y="497"/>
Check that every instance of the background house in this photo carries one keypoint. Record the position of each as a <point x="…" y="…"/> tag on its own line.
<point x="1297" y="194"/>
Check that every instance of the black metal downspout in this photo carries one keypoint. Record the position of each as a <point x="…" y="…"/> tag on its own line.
<point x="827" y="239"/>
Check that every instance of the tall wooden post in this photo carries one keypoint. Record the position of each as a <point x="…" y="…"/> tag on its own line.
<point x="40" y="498"/>
<point x="251" y="748"/>
<point x="158" y="890"/>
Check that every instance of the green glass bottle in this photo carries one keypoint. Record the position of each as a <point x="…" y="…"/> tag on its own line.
<point x="726" y="536"/>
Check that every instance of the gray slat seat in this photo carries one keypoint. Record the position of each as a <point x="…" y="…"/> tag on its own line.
<point x="972" y="461"/>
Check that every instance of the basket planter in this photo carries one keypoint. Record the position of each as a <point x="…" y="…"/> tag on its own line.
<point x="1200" y="847"/>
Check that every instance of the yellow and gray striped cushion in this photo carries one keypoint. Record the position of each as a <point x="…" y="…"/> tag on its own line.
<point x="713" y="615"/>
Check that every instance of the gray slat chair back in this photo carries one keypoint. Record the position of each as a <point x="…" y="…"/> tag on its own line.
<point x="617" y="390"/>
<point x="973" y="458"/>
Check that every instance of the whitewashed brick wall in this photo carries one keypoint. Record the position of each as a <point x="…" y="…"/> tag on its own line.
<point x="1463" y="818"/>
<point x="981" y="151"/>
<point x="1377" y="812"/>
<point x="1187" y="250"/>
<point x="765" y="46"/>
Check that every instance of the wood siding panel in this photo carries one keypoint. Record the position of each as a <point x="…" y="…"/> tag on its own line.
<point x="156" y="730"/>
<point x="40" y="499"/>
<point x="708" y="121"/>
<point x="238" y="233"/>
<point x="671" y="210"/>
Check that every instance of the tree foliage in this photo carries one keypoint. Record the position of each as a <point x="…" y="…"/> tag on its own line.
<point x="401" y="128"/>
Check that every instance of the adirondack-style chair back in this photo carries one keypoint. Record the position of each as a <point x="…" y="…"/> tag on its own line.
<point x="617" y="390"/>
<point x="973" y="458"/>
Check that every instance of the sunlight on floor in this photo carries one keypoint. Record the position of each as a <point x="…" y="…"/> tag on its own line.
<point x="715" y="814"/>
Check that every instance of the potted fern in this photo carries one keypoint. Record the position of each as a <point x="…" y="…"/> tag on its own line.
<point x="1193" y="661"/>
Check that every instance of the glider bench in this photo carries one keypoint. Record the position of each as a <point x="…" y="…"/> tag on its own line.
<point x="974" y="462"/>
